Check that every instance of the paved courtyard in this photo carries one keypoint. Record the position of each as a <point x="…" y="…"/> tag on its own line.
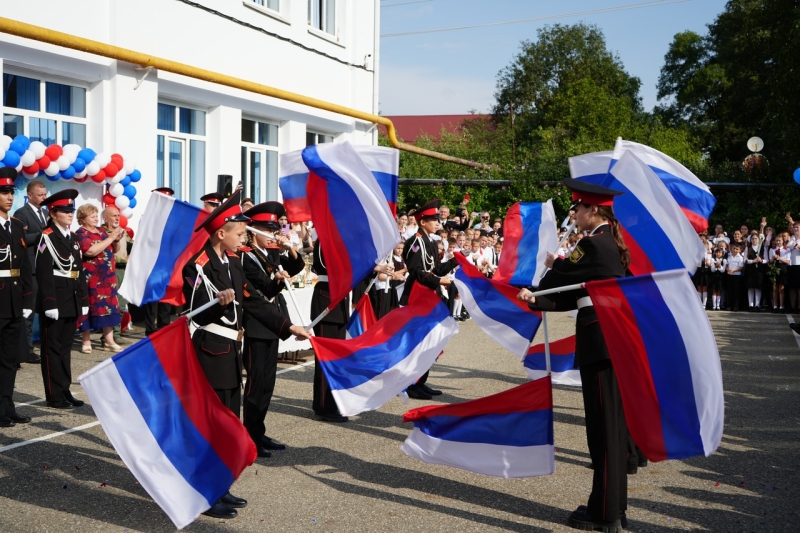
<point x="354" y="477"/>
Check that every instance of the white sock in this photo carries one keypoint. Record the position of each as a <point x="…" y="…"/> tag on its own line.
<point x="716" y="300"/>
<point x="757" y="301"/>
<point x="457" y="307"/>
<point x="704" y="298"/>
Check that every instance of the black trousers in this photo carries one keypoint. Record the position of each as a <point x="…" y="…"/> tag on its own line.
<point x="10" y="333"/>
<point x="231" y="398"/>
<point x="607" y="435"/>
<point x="734" y="292"/>
<point x="27" y="353"/>
<point x="56" y="350"/>
<point x="260" y="359"/>
<point x="156" y="311"/>
<point x="323" y="402"/>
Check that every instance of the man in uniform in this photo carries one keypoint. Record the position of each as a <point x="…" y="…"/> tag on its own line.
<point x="63" y="297"/>
<point x="212" y="201"/>
<point x="216" y="272"/>
<point x="266" y="267"/>
<point x="16" y="297"/>
<point x="157" y="314"/>
<point x="425" y="268"/>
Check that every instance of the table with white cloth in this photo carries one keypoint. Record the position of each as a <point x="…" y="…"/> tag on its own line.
<point x="303" y="298"/>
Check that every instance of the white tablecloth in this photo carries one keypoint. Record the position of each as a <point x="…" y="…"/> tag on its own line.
<point x="303" y="297"/>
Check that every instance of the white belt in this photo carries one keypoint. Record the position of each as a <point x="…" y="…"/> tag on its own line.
<point x="13" y="273"/>
<point x="222" y="331"/>
<point x="323" y="277"/>
<point x="584" y="302"/>
<point x="68" y="274"/>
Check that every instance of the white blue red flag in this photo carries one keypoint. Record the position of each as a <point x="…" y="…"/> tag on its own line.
<point x="692" y="195"/>
<point x="509" y="434"/>
<point x="657" y="233"/>
<point x="362" y="317"/>
<point x="529" y="232"/>
<point x="383" y="162"/>
<point x="562" y="362"/>
<point x="354" y="225"/>
<point x="666" y="360"/>
<point x="366" y="372"/>
<point x="164" y="242"/>
<point x="167" y="424"/>
<point x="495" y="309"/>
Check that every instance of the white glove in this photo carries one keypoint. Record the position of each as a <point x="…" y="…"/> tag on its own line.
<point x="51" y="314"/>
<point x="84" y="310"/>
<point x="26" y="313"/>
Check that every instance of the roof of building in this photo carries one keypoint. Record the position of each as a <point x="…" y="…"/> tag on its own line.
<point x="409" y="127"/>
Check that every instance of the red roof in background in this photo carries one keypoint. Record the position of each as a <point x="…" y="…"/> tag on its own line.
<point x="409" y="127"/>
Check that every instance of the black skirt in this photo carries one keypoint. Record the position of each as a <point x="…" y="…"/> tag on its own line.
<point x="781" y="278"/>
<point x="701" y="276"/>
<point x="793" y="276"/>
<point x="754" y="273"/>
<point x="717" y="281"/>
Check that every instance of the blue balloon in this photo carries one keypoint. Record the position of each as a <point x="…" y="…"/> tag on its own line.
<point x="126" y="181"/>
<point x="11" y="159"/>
<point x="53" y="178"/>
<point x="135" y="175"/>
<point x="130" y="191"/>
<point x="79" y="165"/>
<point x="25" y="141"/>
<point x="797" y="175"/>
<point x="68" y="173"/>
<point x="87" y="154"/>
<point x="133" y="203"/>
<point x="17" y="147"/>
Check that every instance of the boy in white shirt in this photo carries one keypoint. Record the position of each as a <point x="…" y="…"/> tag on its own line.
<point x="734" y="271"/>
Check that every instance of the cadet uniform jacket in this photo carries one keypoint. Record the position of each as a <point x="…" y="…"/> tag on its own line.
<point x="259" y="269"/>
<point x="66" y="291"/>
<point x="321" y="298"/>
<point x="16" y="291"/>
<point x="421" y="256"/>
<point x="220" y="356"/>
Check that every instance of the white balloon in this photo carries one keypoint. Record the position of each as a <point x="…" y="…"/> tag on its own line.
<point x="93" y="168"/>
<point x="129" y="166"/>
<point x="52" y="170"/>
<point x="116" y="179"/>
<point x="116" y="190"/>
<point x="2" y="154"/>
<point x="19" y="167"/>
<point x="103" y="159"/>
<point x="71" y="151"/>
<point x="5" y="142"/>
<point x="38" y="149"/>
<point x="63" y="162"/>
<point x="122" y="202"/>
<point x="29" y="176"/>
<point x="81" y="174"/>
<point x="127" y="213"/>
<point x="28" y="158"/>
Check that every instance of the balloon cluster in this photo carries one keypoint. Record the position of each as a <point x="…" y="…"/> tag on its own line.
<point x="72" y="162"/>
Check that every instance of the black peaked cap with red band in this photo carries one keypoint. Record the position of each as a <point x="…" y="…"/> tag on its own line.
<point x="164" y="190"/>
<point x="229" y="211"/>
<point x="61" y="201"/>
<point x="589" y="193"/>
<point x="7" y="177"/>
<point x="215" y="198"/>
<point x="266" y="214"/>
<point x="429" y="210"/>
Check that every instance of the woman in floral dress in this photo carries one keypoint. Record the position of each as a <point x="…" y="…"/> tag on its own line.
<point x="98" y="250"/>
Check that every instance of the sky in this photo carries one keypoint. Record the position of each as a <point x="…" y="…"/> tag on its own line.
<point x="454" y="72"/>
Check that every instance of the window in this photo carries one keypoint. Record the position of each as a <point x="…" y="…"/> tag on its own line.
<point x="23" y="100"/>
<point x="317" y="138"/>
<point x="322" y="15"/>
<point x="259" y="154"/>
<point x="271" y="4"/>
<point x="181" y="151"/>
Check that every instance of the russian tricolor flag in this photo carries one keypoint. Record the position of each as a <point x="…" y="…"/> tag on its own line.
<point x="692" y="195"/>
<point x="164" y="243"/>
<point x="367" y="371"/>
<point x="509" y="434"/>
<point x="657" y="233"/>
<point x="165" y="421"/>
<point x="529" y="232"/>
<point x="666" y="360"/>
<point x="383" y="162"/>
<point x="354" y="225"/>
<point x="495" y="308"/>
<point x="562" y="362"/>
<point x="363" y="317"/>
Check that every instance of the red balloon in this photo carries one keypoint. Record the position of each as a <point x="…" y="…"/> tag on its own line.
<point x="111" y="170"/>
<point x="44" y="162"/>
<point x="33" y="169"/>
<point x="123" y="222"/>
<point x="129" y="231"/>
<point x="100" y="177"/>
<point x="81" y="180"/>
<point x="53" y="151"/>
<point x="117" y="160"/>
<point x="108" y="199"/>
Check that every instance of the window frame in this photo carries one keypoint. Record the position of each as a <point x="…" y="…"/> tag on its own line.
<point x="187" y="183"/>
<point x="250" y="147"/>
<point x="332" y="36"/>
<point x="264" y="10"/>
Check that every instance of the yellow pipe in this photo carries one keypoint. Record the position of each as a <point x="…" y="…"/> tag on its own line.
<point x="36" y="33"/>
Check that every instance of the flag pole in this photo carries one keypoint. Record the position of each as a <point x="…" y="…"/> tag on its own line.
<point x="318" y="319"/>
<point x="559" y="289"/>
<point x="202" y="308"/>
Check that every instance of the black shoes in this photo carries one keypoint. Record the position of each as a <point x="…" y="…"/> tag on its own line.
<point x="623" y="520"/>
<point x="232" y="501"/>
<point x="428" y="390"/>
<point x="418" y="393"/>
<point x="335" y="418"/>
<point x="579" y="519"/>
<point x="263" y="452"/>
<point x="63" y="404"/>
<point x="19" y="419"/>
<point x="70" y="399"/>
<point x="221" y="510"/>
<point x="6" y="422"/>
<point x="33" y="359"/>
<point x="271" y="444"/>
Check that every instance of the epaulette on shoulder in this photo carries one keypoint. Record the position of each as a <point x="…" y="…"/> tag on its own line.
<point x="231" y="253"/>
<point x="202" y="259"/>
<point x="245" y="249"/>
<point x="15" y="219"/>
<point x="47" y="231"/>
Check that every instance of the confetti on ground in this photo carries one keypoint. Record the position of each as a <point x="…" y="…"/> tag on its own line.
<point x="64" y="487"/>
<point x="102" y="484"/>
<point x="46" y="467"/>
<point x="76" y="468"/>
<point x="716" y="484"/>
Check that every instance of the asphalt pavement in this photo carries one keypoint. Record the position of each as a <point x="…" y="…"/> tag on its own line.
<point x="354" y="477"/>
